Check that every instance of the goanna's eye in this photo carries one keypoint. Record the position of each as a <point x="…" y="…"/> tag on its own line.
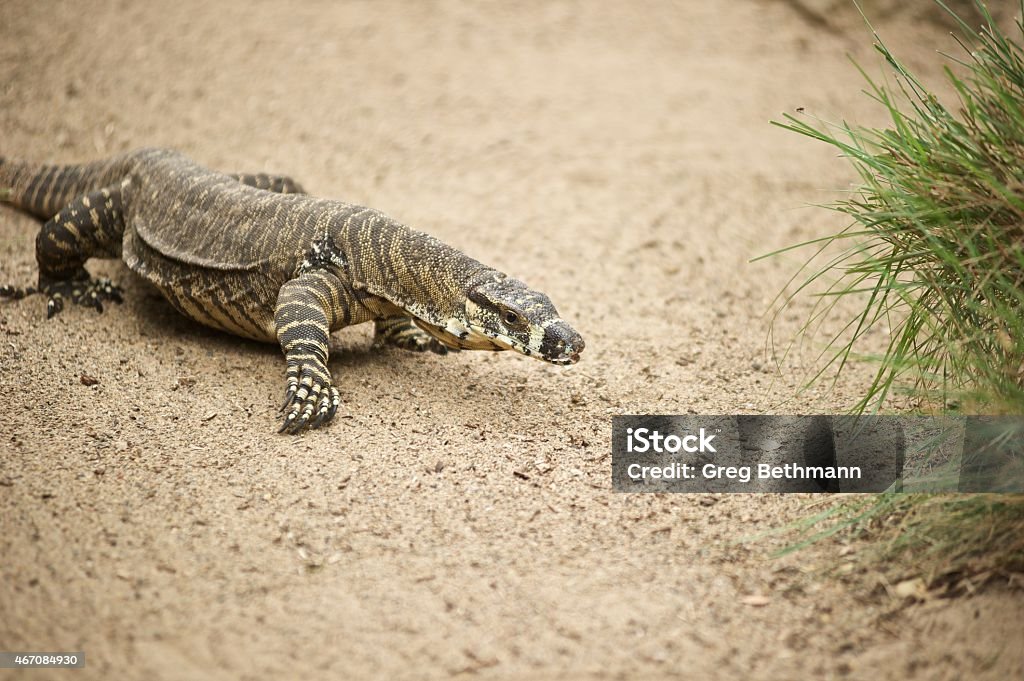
<point x="510" y="318"/>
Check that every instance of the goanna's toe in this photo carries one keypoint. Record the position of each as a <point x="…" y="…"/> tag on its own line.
<point x="94" y="301"/>
<point x="108" y="290"/>
<point x="308" y="407"/>
<point x="54" y="305"/>
<point x="335" y="403"/>
<point x="323" y="410"/>
<point x="439" y="348"/>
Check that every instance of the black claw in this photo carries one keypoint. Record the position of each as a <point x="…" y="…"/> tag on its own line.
<point x="287" y="422"/>
<point x="53" y="306"/>
<point x="328" y="413"/>
<point x="289" y="395"/>
<point x="319" y="416"/>
<point x="297" y="425"/>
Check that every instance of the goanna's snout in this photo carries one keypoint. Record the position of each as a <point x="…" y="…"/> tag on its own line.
<point x="561" y="343"/>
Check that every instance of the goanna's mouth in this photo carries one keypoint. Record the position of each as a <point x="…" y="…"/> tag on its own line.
<point x="481" y="339"/>
<point x="564" y="357"/>
<point x="563" y="360"/>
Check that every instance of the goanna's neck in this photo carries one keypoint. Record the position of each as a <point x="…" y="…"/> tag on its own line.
<point x="422" y="275"/>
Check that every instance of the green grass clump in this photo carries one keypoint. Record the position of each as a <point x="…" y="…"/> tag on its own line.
<point x="935" y="255"/>
<point x="936" y="244"/>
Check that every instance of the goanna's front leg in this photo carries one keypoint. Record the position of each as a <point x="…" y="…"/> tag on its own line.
<point x="92" y="225"/>
<point x="308" y="307"/>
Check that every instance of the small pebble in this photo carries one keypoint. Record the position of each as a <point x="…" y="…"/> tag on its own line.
<point x="756" y="600"/>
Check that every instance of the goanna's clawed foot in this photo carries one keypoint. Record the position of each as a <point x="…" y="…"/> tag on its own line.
<point x="310" y="400"/>
<point x="424" y="342"/>
<point x="88" y="292"/>
<point x="402" y="332"/>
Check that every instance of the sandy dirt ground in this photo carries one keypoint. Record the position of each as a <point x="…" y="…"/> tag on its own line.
<point x="457" y="519"/>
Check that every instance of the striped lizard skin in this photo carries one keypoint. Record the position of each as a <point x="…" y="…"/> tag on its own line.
<point x="254" y="256"/>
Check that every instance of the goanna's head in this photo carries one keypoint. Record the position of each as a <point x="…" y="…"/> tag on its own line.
<point x="504" y="314"/>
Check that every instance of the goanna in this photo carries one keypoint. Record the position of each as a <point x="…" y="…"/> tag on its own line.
<point x="254" y="256"/>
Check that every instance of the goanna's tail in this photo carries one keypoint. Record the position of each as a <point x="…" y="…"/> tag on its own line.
<point x="43" y="190"/>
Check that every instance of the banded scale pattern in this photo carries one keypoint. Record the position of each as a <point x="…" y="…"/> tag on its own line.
<point x="280" y="184"/>
<point x="44" y="190"/>
<point x="252" y="255"/>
